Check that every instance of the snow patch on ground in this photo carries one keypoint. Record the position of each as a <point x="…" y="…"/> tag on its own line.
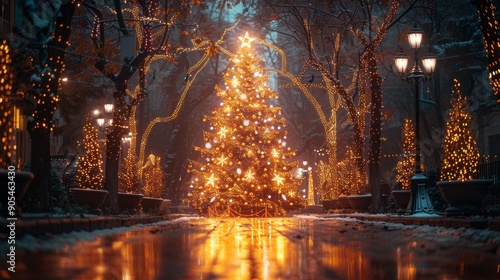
<point x="484" y="236"/>
<point x="31" y="243"/>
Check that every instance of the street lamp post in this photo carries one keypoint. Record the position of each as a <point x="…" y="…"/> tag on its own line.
<point x="105" y="124"/>
<point x="420" y="201"/>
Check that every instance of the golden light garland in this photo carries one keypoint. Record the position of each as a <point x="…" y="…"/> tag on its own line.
<point x="193" y="72"/>
<point x="197" y="68"/>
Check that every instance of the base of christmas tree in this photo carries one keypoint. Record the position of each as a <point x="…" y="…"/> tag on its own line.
<point x="257" y="211"/>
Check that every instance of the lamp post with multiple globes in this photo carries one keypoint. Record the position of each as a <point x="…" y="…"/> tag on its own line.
<point x="419" y="201"/>
<point x="101" y="120"/>
<point x="104" y="124"/>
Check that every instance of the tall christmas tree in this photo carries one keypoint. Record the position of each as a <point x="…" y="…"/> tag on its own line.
<point x="246" y="161"/>
<point x="405" y="168"/>
<point x="89" y="172"/>
<point x="460" y="152"/>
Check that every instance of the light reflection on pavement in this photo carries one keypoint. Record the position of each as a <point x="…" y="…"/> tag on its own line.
<point x="273" y="248"/>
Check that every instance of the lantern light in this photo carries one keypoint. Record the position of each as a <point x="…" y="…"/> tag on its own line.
<point x="429" y="63"/>
<point x="108" y="107"/>
<point x="415" y="37"/>
<point x="401" y="61"/>
<point x="100" y="120"/>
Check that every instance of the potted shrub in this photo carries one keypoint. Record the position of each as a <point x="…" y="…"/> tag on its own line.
<point x="463" y="194"/>
<point x="405" y="168"/>
<point x="155" y="184"/>
<point x="328" y="187"/>
<point x="129" y="184"/>
<point x="89" y="174"/>
<point x="352" y="182"/>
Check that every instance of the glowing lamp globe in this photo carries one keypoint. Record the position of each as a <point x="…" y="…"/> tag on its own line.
<point x="100" y="120"/>
<point x="108" y="107"/>
<point x="429" y="63"/>
<point x="401" y="61"/>
<point x="415" y="37"/>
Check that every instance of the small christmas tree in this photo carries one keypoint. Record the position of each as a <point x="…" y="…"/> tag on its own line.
<point x="155" y="177"/>
<point x="89" y="172"/>
<point x="128" y="178"/>
<point x="406" y="167"/>
<point x="460" y="152"/>
<point x="350" y="179"/>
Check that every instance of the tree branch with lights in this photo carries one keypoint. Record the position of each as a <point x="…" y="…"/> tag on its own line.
<point x="53" y="36"/>
<point x="152" y="34"/>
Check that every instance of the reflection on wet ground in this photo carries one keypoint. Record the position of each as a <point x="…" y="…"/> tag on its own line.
<point x="273" y="248"/>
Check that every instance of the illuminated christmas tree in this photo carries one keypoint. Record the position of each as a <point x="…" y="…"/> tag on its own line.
<point x="406" y="167"/>
<point x="460" y="152"/>
<point x="155" y="177"/>
<point x="245" y="159"/>
<point x="128" y="177"/>
<point x="350" y="179"/>
<point x="89" y="172"/>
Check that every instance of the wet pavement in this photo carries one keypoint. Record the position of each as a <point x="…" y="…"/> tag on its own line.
<point x="272" y="248"/>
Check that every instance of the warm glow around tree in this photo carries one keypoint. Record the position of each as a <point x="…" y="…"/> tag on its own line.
<point x="245" y="157"/>
<point x="405" y="168"/>
<point x="460" y="152"/>
<point x="89" y="172"/>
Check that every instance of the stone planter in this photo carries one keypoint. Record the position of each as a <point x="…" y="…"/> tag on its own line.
<point x="344" y="203"/>
<point x="151" y="204"/>
<point x="336" y="204"/>
<point x="401" y="198"/>
<point x="464" y="198"/>
<point x="129" y="201"/>
<point x="360" y="203"/>
<point x="329" y="204"/>
<point x="21" y="180"/>
<point x="93" y="199"/>
<point x="165" y="205"/>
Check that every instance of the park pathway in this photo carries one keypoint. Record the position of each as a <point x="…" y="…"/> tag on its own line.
<point x="270" y="248"/>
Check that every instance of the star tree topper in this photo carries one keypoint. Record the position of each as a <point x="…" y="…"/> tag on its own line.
<point x="246" y="40"/>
